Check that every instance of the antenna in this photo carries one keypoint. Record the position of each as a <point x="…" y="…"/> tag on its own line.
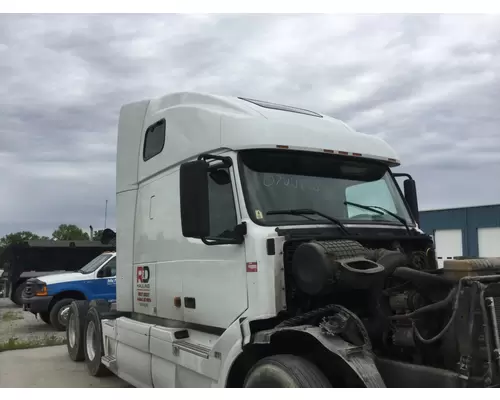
<point x="105" y="214"/>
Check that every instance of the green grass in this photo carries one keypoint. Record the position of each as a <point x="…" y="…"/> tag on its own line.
<point x="12" y="315"/>
<point x="19" y="344"/>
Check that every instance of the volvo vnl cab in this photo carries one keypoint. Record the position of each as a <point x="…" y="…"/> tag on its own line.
<point x="263" y="245"/>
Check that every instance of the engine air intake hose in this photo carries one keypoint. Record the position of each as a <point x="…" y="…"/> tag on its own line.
<point x="422" y="278"/>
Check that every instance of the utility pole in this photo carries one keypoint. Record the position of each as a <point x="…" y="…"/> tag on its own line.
<point x="105" y="214"/>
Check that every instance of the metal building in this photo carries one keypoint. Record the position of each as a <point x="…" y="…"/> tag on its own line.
<point x="467" y="231"/>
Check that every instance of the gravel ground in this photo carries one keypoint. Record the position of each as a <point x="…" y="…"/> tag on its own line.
<point x="49" y="367"/>
<point x="22" y="325"/>
<point x="44" y="366"/>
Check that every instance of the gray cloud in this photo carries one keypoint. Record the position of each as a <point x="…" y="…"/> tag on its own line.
<point x="428" y="84"/>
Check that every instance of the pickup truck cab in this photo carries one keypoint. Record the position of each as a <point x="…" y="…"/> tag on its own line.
<point x="50" y="296"/>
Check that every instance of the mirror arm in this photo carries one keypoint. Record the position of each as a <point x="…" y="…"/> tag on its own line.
<point x="228" y="161"/>
<point x="402" y="174"/>
<point x="213" y="241"/>
<point x="240" y="231"/>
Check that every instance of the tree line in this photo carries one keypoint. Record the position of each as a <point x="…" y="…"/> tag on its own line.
<point x="63" y="232"/>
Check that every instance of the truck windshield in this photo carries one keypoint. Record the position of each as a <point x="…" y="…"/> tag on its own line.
<point x="95" y="263"/>
<point x="288" y="180"/>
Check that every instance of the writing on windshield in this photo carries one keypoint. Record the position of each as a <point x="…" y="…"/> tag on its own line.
<point x="292" y="182"/>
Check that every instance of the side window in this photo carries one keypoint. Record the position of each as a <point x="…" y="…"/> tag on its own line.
<point x="109" y="269"/>
<point x="222" y="208"/>
<point x="154" y="140"/>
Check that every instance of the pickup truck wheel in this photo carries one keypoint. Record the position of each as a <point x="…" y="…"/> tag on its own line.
<point x="285" y="371"/>
<point x="17" y="296"/>
<point x="58" y="314"/>
<point x="93" y="344"/>
<point x="45" y="317"/>
<point x="75" y="329"/>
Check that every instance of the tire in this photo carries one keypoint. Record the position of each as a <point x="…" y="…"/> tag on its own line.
<point x="55" y="317"/>
<point x="45" y="317"/>
<point x="285" y="371"/>
<point x="75" y="329"/>
<point x="17" y="296"/>
<point x="93" y="344"/>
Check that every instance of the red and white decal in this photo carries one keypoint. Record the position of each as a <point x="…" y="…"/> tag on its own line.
<point x="252" y="266"/>
<point x="143" y="288"/>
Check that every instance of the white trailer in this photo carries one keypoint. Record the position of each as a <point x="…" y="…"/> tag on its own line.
<point x="262" y="245"/>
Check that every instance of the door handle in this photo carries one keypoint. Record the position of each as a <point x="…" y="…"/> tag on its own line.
<point x="151" y="207"/>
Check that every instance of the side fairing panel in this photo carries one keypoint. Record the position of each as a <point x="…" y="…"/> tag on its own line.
<point x="125" y="206"/>
<point x="130" y="132"/>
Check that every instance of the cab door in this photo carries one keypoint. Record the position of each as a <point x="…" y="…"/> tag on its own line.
<point x="214" y="285"/>
<point x="104" y="284"/>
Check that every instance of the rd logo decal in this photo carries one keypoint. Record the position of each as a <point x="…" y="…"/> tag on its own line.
<point x="143" y="274"/>
<point x="143" y="286"/>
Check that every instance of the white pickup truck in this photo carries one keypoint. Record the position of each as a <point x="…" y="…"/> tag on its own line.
<point x="50" y="295"/>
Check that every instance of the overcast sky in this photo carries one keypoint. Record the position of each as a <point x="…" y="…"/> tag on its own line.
<point x="430" y="85"/>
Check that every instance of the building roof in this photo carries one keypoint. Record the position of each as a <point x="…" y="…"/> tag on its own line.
<point x="462" y="207"/>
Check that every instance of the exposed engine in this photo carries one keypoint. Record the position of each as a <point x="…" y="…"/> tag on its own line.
<point x="399" y="300"/>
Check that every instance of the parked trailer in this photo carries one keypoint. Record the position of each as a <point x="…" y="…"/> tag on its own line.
<point x="262" y="245"/>
<point x="34" y="258"/>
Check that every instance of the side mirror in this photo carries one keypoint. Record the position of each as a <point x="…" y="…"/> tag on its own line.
<point x="410" y="192"/>
<point x="410" y="189"/>
<point x="195" y="215"/>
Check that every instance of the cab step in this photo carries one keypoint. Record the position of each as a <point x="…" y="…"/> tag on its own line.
<point x="109" y="362"/>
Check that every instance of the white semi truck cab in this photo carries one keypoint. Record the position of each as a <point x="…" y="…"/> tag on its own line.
<point x="262" y="245"/>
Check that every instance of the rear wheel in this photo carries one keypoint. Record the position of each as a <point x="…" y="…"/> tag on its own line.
<point x="59" y="314"/>
<point x="93" y="344"/>
<point x="285" y="371"/>
<point x="45" y="317"/>
<point x="75" y="329"/>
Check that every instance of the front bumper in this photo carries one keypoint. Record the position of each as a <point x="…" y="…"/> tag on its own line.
<point x="37" y="304"/>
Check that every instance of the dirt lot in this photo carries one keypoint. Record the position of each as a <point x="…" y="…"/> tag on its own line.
<point x="43" y="366"/>
<point x="22" y="327"/>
